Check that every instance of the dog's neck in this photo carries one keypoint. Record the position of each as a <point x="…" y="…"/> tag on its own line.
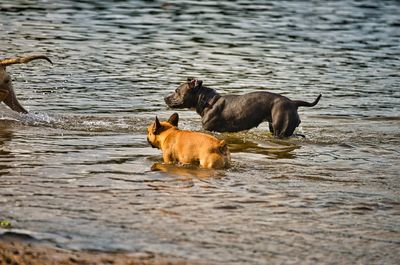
<point x="164" y="138"/>
<point x="206" y="97"/>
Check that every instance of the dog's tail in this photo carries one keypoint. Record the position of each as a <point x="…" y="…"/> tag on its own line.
<point x="301" y="103"/>
<point x="25" y="59"/>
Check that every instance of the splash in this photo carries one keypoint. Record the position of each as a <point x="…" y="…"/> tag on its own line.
<point x="91" y="123"/>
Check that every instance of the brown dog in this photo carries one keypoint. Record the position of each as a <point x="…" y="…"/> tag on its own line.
<point x="7" y="94"/>
<point x="185" y="146"/>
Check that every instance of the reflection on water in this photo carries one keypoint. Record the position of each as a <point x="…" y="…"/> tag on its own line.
<point x="77" y="170"/>
<point x="261" y="142"/>
<point x="187" y="172"/>
<point x="5" y="154"/>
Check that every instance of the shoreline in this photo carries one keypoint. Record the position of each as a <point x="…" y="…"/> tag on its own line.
<point x="16" y="251"/>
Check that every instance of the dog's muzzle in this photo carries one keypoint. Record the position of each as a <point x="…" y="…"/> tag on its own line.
<point x="171" y="101"/>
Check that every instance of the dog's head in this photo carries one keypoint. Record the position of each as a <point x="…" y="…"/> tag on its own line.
<point x="7" y="94"/>
<point x="184" y="95"/>
<point x="156" y="131"/>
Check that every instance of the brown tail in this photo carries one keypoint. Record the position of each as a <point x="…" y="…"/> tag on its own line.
<point x="301" y="103"/>
<point x="25" y="59"/>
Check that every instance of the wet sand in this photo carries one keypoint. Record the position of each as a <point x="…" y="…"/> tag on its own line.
<point x="18" y="252"/>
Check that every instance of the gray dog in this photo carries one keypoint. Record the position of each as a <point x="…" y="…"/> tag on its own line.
<point x="233" y="113"/>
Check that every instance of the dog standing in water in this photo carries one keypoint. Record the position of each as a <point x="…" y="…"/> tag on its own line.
<point x="234" y="113"/>
<point x="7" y="94"/>
<point x="186" y="146"/>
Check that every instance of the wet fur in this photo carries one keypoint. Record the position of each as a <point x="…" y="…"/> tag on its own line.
<point x="187" y="147"/>
<point x="233" y="113"/>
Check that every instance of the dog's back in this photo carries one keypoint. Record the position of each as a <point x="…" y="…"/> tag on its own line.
<point x="200" y="148"/>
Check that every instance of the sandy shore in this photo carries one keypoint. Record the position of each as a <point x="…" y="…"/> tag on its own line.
<point x="17" y="252"/>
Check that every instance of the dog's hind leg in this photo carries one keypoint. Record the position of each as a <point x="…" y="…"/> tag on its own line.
<point x="284" y="122"/>
<point x="213" y="161"/>
<point x="291" y="124"/>
<point x="167" y="158"/>
<point x="278" y="126"/>
<point x="271" y="128"/>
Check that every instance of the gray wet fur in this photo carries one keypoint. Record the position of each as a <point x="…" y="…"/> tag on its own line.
<point x="233" y="113"/>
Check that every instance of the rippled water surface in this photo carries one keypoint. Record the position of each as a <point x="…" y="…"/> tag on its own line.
<point x="78" y="171"/>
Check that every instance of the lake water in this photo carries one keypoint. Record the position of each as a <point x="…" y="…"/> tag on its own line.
<point x="77" y="171"/>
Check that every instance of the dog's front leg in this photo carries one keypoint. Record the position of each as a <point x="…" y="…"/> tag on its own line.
<point x="3" y="95"/>
<point x="211" y="120"/>
<point x="167" y="157"/>
<point x="211" y="124"/>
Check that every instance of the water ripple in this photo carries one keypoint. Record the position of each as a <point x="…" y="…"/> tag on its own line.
<point x="78" y="171"/>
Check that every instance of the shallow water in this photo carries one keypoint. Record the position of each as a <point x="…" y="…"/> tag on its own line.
<point x="77" y="171"/>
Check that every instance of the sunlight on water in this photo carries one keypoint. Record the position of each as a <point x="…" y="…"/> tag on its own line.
<point x="78" y="171"/>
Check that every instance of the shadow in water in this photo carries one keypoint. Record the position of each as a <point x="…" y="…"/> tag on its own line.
<point x="265" y="145"/>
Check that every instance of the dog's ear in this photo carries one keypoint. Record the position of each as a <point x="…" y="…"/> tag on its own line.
<point x="174" y="119"/>
<point x="157" y="126"/>
<point x="199" y="83"/>
<point x="192" y="83"/>
<point x="189" y="79"/>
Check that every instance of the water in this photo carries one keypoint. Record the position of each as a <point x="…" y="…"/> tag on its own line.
<point x="77" y="171"/>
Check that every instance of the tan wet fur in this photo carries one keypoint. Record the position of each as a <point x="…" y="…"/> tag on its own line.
<point x="7" y="94"/>
<point x="187" y="147"/>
